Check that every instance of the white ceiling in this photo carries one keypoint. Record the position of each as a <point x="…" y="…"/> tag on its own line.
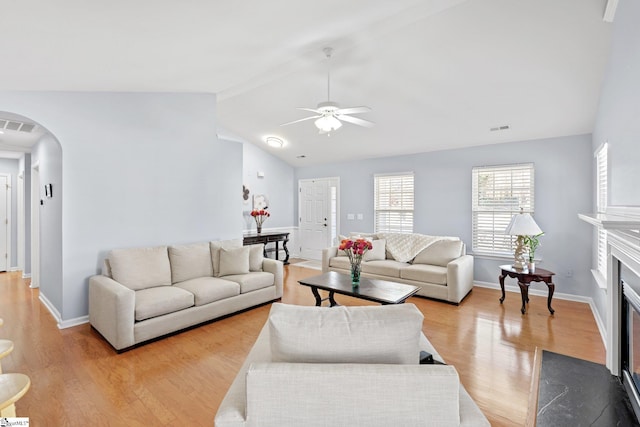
<point x="437" y="73"/>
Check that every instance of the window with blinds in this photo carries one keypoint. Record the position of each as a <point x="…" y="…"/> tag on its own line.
<point x="393" y="199"/>
<point x="601" y="202"/>
<point x="499" y="192"/>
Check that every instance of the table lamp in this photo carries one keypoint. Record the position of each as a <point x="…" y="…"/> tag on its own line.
<point x="521" y="225"/>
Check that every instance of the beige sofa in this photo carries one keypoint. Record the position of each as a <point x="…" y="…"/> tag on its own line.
<point x="345" y="366"/>
<point x="438" y="265"/>
<point x="145" y="293"/>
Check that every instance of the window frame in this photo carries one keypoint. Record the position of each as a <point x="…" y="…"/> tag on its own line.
<point x="601" y="196"/>
<point x="407" y="208"/>
<point x="490" y="216"/>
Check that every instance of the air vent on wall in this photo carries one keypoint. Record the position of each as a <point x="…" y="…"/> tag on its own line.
<point x="17" y="126"/>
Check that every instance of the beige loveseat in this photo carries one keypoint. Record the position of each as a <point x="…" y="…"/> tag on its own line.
<point x="438" y="265"/>
<point x="145" y="293"/>
<point x="345" y="366"/>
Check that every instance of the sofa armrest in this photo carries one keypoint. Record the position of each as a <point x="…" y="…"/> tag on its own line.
<point x="327" y="254"/>
<point x="429" y="392"/>
<point x="112" y="311"/>
<point x="274" y="267"/>
<point x="459" y="278"/>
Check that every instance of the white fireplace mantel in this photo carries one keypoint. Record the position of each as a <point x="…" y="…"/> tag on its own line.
<point x="622" y="224"/>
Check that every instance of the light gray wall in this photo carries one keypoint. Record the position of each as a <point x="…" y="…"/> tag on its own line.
<point x="10" y="167"/>
<point x="618" y="116"/>
<point x="563" y="178"/>
<point x="48" y="155"/>
<point x="138" y="169"/>
<point x="277" y="184"/>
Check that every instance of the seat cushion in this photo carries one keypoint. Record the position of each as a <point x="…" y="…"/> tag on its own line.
<point x="153" y="302"/>
<point x="141" y="268"/>
<point x="215" y="252"/>
<point x="363" y="334"/>
<point x="190" y="261"/>
<point x="252" y="281"/>
<point x="388" y="267"/>
<point x="440" y="253"/>
<point x="209" y="289"/>
<point x="340" y="262"/>
<point x="425" y="273"/>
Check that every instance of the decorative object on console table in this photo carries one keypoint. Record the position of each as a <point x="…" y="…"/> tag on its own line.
<point x="532" y="243"/>
<point x="522" y="225"/>
<point x="260" y="216"/>
<point x="355" y="249"/>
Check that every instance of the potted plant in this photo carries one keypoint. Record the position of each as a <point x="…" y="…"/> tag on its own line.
<point x="532" y="243"/>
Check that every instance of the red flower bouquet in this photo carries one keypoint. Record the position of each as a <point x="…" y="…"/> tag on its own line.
<point x="355" y="249"/>
<point x="260" y="215"/>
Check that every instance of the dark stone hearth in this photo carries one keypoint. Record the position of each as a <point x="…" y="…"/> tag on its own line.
<point x="575" y="392"/>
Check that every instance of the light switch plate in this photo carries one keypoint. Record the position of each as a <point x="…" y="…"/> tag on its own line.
<point x="351" y="216"/>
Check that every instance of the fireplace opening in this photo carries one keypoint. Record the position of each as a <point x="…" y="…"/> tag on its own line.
<point x="630" y="336"/>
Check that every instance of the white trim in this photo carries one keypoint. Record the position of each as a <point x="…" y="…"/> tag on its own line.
<point x="26" y="276"/>
<point x="12" y="269"/>
<point x="600" y="279"/>
<point x="62" y="324"/>
<point x="52" y="309"/>
<point x="610" y="10"/>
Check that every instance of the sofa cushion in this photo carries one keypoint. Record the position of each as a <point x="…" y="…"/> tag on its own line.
<point x="153" y="302"/>
<point x="215" y="252"/>
<point x="364" y="334"/>
<point x="377" y="253"/>
<point x="209" y="289"/>
<point x="372" y="395"/>
<point x="425" y="273"/>
<point x="256" y="257"/>
<point x="234" y="261"/>
<point x="389" y="268"/>
<point x="340" y="262"/>
<point x="440" y="253"/>
<point x="190" y="261"/>
<point x="252" y="281"/>
<point x="141" y="268"/>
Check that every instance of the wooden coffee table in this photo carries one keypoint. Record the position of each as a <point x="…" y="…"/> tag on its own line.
<point x="380" y="291"/>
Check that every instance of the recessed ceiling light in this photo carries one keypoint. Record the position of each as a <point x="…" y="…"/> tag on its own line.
<point x="498" y="128"/>
<point x="274" y="141"/>
<point x="301" y="156"/>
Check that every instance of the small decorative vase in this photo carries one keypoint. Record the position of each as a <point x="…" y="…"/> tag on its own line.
<point x="259" y="229"/>
<point x="355" y="274"/>
<point x="532" y="267"/>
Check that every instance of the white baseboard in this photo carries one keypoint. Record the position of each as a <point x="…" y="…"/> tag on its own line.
<point x="556" y="295"/>
<point x="26" y="276"/>
<point x="62" y="324"/>
<point x="12" y="269"/>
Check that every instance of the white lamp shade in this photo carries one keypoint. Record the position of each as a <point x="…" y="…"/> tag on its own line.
<point x="522" y="224"/>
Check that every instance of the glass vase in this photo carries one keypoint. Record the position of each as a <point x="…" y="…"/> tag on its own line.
<point x="259" y="229"/>
<point x="355" y="274"/>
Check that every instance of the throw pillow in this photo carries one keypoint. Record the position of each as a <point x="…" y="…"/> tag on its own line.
<point x="363" y="334"/>
<point x="340" y="239"/>
<point x="215" y="252"/>
<point x="190" y="262"/>
<point x="377" y="253"/>
<point x="256" y="257"/>
<point x="440" y="253"/>
<point x="234" y="261"/>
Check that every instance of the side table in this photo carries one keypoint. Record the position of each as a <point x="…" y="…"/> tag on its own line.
<point x="524" y="280"/>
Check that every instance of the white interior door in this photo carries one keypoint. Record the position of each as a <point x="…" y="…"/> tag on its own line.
<point x="318" y="215"/>
<point x="4" y="224"/>
<point x="35" y="226"/>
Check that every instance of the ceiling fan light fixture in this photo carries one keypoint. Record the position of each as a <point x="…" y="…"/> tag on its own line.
<point x="274" y="141"/>
<point x="328" y="124"/>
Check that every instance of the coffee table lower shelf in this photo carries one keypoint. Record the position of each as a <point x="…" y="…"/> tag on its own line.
<point x="380" y="291"/>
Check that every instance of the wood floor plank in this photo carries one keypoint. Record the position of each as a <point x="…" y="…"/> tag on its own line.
<point x="78" y="379"/>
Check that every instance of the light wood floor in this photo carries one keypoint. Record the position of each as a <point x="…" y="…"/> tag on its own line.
<point x="79" y="380"/>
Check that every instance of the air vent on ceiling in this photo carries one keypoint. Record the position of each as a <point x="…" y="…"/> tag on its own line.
<point x="500" y="128"/>
<point x="17" y="126"/>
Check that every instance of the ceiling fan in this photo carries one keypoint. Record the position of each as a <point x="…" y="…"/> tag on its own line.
<point x="329" y="116"/>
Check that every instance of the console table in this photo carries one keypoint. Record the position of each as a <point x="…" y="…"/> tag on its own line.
<point x="524" y="280"/>
<point x="269" y="237"/>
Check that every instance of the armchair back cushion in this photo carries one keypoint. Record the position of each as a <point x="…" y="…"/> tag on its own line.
<point x="141" y="268"/>
<point x="370" y="334"/>
<point x="440" y="253"/>
<point x="303" y="394"/>
<point x="190" y="262"/>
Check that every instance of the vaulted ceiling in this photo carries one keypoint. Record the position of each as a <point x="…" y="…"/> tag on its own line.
<point x="437" y="73"/>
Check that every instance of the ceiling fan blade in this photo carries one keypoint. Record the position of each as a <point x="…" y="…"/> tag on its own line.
<point x="355" y="120"/>
<point x="354" y="110"/>
<point x="310" y="109"/>
<point x="300" y="120"/>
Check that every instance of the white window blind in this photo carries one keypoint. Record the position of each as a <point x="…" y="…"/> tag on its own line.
<point x="499" y="192"/>
<point x="393" y="199"/>
<point x="601" y="202"/>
